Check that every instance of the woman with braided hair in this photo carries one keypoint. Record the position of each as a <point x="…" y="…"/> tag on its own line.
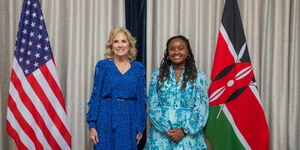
<point x="178" y="101"/>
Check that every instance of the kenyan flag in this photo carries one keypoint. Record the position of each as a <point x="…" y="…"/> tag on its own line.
<point x="236" y="118"/>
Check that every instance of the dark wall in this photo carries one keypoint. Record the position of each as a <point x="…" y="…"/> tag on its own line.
<point x="136" y="24"/>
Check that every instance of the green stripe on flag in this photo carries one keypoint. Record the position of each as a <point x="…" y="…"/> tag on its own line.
<point x="219" y="131"/>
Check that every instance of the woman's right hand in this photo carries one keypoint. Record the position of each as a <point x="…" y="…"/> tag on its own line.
<point x="176" y="134"/>
<point x="94" y="136"/>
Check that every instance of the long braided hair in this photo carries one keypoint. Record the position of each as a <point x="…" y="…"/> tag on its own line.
<point x="190" y="70"/>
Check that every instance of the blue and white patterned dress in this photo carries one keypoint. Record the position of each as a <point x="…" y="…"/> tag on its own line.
<point x="117" y="105"/>
<point x="173" y="108"/>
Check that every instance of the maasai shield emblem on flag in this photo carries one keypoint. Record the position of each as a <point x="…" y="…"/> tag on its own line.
<point x="36" y="114"/>
<point x="236" y="118"/>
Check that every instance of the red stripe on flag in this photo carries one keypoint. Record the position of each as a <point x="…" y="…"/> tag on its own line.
<point x="223" y="52"/>
<point x="12" y="132"/>
<point x="34" y="112"/>
<point x="243" y="118"/>
<point x="49" y="108"/>
<point x="53" y="61"/>
<point x="53" y="85"/>
<point x="23" y="123"/>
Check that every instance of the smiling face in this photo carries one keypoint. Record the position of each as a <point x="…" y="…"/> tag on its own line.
<point x="177" y="52"/>
<point x="120" y="45"/>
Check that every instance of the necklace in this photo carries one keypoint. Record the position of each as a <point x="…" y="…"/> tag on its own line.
<point x="178" y="73"/>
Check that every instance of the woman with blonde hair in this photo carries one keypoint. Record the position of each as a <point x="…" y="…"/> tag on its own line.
<point x="117" y="114"/>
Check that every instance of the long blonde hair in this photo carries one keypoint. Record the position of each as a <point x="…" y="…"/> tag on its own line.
<point x="132" y="49"/>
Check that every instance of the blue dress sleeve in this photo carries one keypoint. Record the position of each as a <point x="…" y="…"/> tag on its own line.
<point x="93" y="103"/>
<point x="157" y="116"/>
<point x="200" y="111"/>
<point x="142" y="98"/>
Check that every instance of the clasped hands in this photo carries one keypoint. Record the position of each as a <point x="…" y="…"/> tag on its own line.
<point x="176" y="134"/>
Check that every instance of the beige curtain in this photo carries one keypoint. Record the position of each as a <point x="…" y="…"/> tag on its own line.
<point x="272" y="30"/>
<point x="78" y="29"/>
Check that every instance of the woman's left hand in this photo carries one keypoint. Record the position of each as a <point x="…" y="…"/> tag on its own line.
<point x="139" y="136"/>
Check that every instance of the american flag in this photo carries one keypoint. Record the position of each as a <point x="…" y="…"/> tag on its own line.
<point x="36" y="114"/>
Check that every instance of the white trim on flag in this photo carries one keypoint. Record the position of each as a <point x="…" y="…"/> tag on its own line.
<point x="228" y="42"/>
<point x="234" y="127"/>
<point x="255" y="92"/>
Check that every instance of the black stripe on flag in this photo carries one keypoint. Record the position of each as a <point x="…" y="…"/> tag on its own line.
<point x="232" y="23"/>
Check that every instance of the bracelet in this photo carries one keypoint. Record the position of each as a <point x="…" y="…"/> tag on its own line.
<point x="184" y="131"/>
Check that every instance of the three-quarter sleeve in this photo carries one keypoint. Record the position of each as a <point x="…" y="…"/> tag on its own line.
<point x="157" y="115"/>
<point x="199" y="115"/>
<point x="142" y="98"/>
<point x="93" y="103"/>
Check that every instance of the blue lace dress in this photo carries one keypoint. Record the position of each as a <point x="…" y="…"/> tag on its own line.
<point x="173" y="108"/>
<point x="117" y="105"/>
